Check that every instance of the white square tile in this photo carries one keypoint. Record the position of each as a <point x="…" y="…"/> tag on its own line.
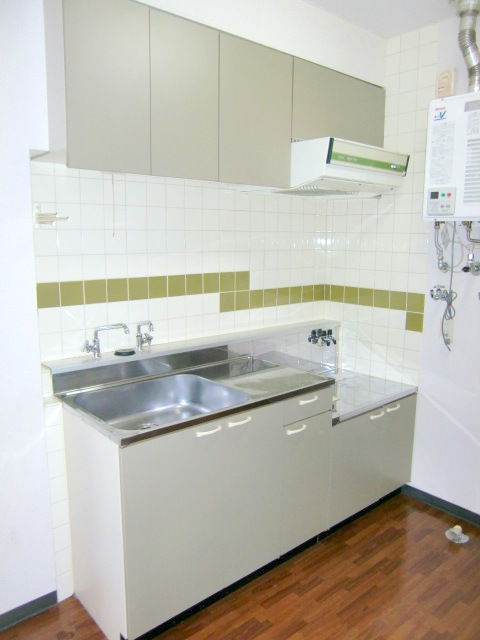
<point x="58" y="489"/>
<point x="72" y="342"/>
<point x="49" y="321"/>
<point x="115" y="242"/>
<point x="156" y="194"/>
<point x="51" y="346"/>
<point x="53" y="420"/>
<point x="94" y="266"/>
<point x="92" y="216"/>
<point x="135" y="193"/>
<point x="95" y="315"/>
<point x="56" y="464"/>
<point x="43" y="188"/>
<point x="136" y="241"/>
<point x="64" y="586"/>
<point x="46" y="269"/>
<point x="61" y="537"/>
<point x="70" y="268"/>
<point x="91" y="191"/>
<point x="73" y="318"/>
<point x="69" y="242"/>
<point x="45" y="242"/>
<point x="175" y="195"/>
<point x="59" y="514"/>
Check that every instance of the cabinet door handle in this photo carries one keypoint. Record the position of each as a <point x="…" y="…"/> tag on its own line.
<point x="237" y="424"/>
<point x="200" y="434"/>
<point x="314" y="399"/>
<point x="290" y="432"/>
<point x="395" y="408"/>
<point x="375" y="416"/>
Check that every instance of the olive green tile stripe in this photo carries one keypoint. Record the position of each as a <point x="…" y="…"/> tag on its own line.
<point x="234" y="290"/>
<point x="64" y="294"/>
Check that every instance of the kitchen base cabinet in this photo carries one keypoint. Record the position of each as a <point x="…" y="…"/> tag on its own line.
<point x="371" y="457"/>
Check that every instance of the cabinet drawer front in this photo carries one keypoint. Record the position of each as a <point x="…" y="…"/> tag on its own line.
<point x="308" y="404"/>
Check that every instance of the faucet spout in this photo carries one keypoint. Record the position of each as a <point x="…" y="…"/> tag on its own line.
<point x="95" y="346"/>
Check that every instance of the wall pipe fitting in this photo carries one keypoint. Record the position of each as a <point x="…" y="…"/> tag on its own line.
<point x="468" y="11"/>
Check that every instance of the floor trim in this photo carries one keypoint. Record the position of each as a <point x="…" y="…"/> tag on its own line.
<point x="27" y="610"/>
<point x="443" y="505"/>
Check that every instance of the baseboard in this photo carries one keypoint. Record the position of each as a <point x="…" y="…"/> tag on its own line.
<point x="443" y="505"/>
<point x="27" y="610"/>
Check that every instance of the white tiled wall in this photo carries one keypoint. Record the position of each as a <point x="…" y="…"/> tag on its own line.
<point x="382" y="243"/>
<point x="130" y="226"/>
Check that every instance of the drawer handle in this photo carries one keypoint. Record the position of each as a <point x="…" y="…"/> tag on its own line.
<point x="314" y="399"/>
<point x="290" y="432"/>
<point x="200" y="434"/>
<point x="237" y="424"/>
<point x="395" y="408"/>
<point x="375" y="416"/>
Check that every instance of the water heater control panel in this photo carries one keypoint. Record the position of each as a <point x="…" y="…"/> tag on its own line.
<point x="441" y="202"/>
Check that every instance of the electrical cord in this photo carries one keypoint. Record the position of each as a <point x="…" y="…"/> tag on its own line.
<point x="449" y="312"/>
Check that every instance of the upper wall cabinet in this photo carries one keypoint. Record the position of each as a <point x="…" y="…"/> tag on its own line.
<point x="255" y="113"/>
<point x="107" y="69"/>
<point x="329" y="103"/>
<point x="184" y="76"/>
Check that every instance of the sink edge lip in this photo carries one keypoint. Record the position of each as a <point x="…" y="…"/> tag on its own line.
<point x="117" y="436"/>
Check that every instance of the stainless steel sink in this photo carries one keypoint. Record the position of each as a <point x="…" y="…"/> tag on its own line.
<point x="157" y="402"/>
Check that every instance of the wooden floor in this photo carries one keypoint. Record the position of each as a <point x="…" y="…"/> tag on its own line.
<point x="389" y="575"/>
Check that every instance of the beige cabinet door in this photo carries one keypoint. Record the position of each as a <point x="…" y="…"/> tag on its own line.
<point x="329" y="103"/>
<point x="107" y="77"/>
<point x="255" y="113"/>
<point x="396" y="460"/>
<point x="184" y="76"/>
<point x="305" y="476"/>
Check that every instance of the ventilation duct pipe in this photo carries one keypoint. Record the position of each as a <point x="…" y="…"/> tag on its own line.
<point x="468" y="11"/>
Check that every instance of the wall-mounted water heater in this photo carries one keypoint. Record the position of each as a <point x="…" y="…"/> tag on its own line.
<point x="452" y="168"/>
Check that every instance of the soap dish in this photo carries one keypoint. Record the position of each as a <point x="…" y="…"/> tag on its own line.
<point x="128" y="351"/>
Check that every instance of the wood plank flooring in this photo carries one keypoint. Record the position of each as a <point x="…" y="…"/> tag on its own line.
<point x="389" y="575"/>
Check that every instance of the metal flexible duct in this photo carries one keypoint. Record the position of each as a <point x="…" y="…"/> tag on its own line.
<point x="468" y="11"/>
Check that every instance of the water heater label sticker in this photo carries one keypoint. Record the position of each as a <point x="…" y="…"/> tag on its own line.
<point x="473" y="124"/>
<point x="442" y="148"/>
<point x="440" y="114"/>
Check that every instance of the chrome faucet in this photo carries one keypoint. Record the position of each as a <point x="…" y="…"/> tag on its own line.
<point x="143" y="338"/>
<point x="95" y="346"/>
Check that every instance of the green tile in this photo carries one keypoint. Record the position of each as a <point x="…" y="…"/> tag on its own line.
<point x="351" y="295"/>
<point x="227" y="302"/>
<point x="157" y="287"/>
<point x="337" y="293"/>
<point x="242" y="280"/>
<point x="176" y="286"/>
<point x="71" y="293"/>
<point x="415" y="302"/>
<point x="242" y="300"/>
<point x="48" y="295"/>
<point x="319" y="292"/>
<point x="211" y="282"/>
<point x="227" y="281"/>
<point x="283" y="296"/>
<point x="256" y="299"/>
<point x="194" y="284"/>
<point x="295" y="295"/>
<point x="365" y="297"/>
<point x="137" y="288"/>
<point x="95" y="291"/>
<point x="398" y="300"/>
<point x="117" y="290"/>
<point x="414" y="322"/>
<point x="269" y="297"/>
<point x="381" y="298"/>
<point x="328" y="292"/>
<point x="307" y="293"/>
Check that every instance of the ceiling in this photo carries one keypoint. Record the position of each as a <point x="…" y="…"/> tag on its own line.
<point x="388" y="18"/>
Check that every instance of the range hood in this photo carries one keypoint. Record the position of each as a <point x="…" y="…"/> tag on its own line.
<point x="332" y="167"/>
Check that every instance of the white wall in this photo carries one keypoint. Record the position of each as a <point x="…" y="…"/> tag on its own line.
<point x="447" y="439"/>
<point x="26" y="545"/>
<point x="293" y="26"/>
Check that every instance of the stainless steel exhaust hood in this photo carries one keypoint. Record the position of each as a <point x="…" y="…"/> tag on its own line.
<point x="332" y="167"/>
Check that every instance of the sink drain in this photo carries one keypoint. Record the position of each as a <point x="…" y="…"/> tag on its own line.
<point x="148" y="425"/>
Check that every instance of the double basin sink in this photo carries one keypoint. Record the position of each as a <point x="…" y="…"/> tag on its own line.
<point x="150" y="393"/>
